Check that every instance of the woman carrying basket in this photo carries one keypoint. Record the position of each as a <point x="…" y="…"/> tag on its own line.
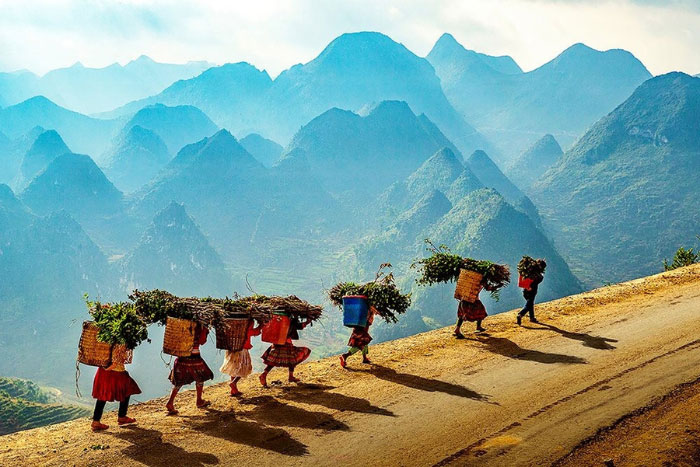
<point x="113" y="384"/>
<point x="287" y="354"/>
<point x="472" y="312"/>
<point x="359" y="340"/>
<point x="237" y="364"/>
<point x="192" y="369"/>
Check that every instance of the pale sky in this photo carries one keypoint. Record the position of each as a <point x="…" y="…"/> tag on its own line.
<point x="41" y="35"/>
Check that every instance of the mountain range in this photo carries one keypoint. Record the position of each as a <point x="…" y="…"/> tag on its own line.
<point x="563" y="97"/>
<point x="91" y="90"/>
<point x="625" y="196"/>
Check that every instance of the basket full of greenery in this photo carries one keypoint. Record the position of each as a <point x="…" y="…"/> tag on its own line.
<point x="382" y="294"/>
<point x="471" y="275"/>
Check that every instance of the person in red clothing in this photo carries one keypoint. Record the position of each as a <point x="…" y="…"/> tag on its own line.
<point x="113" y="384"/>
<point x="287" y="354"/>
<point x="359" y="340"/>
<point x="192" y="369"/>
<point x="238" y="364"/>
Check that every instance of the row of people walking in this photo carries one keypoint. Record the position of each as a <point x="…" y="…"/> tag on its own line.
<point x="113" y="384"/>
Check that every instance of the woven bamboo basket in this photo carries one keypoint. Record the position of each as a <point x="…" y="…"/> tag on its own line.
<point x="179" y="337"/>
<point x="91" y="351"/>
<point x="468" y="286"/>
<point x="231" y="333"/>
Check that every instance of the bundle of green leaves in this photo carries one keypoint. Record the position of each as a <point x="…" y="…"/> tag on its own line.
<point x="118" y="323"/>
<point x="381" y="293"/>
<point x="154" y="306"/>
<point x="530" y="268"/>
<point x="444" y="266"/>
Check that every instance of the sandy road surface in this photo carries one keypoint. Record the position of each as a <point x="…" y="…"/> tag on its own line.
<point x="517" y="396"/>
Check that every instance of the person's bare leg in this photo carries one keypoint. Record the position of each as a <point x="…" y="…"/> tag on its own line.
<point x="170" y="405"/>
<point x="234" y="385"/>
<point x="458" y="329"/>
<point x="201" y="403"/>
<point x="292" y="378"/>
<point x="263" y="376"/>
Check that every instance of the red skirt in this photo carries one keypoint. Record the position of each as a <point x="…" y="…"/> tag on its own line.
<point x="187" y="370"/>
<point x="113" y="386"/>
<point x="359" y="338"/>
<point x="285" y="355"/>
<point x="471" y="311"/>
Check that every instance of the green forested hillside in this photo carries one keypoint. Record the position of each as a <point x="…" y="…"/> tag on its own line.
<point x="626" y="195"/>
<point x="24" y="405"/>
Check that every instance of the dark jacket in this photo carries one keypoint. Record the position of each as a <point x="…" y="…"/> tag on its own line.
<point x="531" y="293"/>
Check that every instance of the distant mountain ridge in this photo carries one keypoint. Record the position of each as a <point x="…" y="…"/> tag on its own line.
<point x="91" y="90"/>
<point x="353" y="71"/>
<point x="562" y="97"/>
<point x="80" y="132"/>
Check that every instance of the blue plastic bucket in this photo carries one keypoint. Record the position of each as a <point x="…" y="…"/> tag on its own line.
<point x="355" y="310"/>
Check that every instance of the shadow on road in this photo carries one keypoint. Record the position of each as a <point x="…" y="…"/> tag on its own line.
<point x="594" y="342"/>
<point x="425" y="384"/>
<point x="319" y="394"/>
<point x="226" y="426"/>
<point x="508" y="348"/>
<point x="148" y="448"/>
<point x="269" y="411"/>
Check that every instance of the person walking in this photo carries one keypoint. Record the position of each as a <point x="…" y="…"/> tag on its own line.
<point x="472" y="312"/>
<point x="359" y="341"/>
<point x="237" y="364"/>
<point x="286" y="355"/>
<point x="191" y="369"/>
<point x="113" y="384"/>
<point x="530" y="293"/>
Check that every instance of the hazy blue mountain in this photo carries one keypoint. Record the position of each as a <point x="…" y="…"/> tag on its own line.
<point x="12" y="152"/>
<point x="91" y="90"/>
<point x="452" y="62"/>
<point x="230" y="94"/>
<point x="135" y="158"/>
<point x="239" y="202"/>
<point x="222" y="184"/>
<point x="358" y="69"/>
<point x="46" y="270"/>
<point x="73" y="182"/>
<point x="384" y="146"/>
<point x="491" y="176"/>
<point x="14" y="215"/>
<point x="265" y="150"/>
<point x="174" y="255"/>
<point x="535" y="161"/>
<point x="177" y="126"/>
<point x="47" y="147"/>
<point x="17" y="86"/>
<point x="443" y="172"/>
<point x="296" y="206"/>
<point x="625" y="196"/>
<point x="562" y="97"/>
<point x="80" y="132"/>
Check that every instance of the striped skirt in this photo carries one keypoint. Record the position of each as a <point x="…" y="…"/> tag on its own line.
<point x="286" y="355"/>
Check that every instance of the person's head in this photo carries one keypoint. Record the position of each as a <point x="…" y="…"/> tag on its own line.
<point x="542" y="264"/>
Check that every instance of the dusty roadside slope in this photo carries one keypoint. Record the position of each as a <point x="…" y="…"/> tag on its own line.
<point x="517" y="396"/>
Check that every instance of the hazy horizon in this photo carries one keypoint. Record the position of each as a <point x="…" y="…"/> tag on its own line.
<point x="98" y="34"/>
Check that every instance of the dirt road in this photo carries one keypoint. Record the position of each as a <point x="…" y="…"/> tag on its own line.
<point x="517" y="396"/>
